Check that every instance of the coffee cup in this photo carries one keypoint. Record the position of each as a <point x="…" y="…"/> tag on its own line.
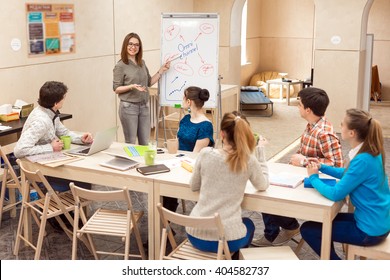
<point x="172" y="145"/>
<point x="67" y="141"/>
<point x="257" y="137"/>
<point x="150" y="156"/>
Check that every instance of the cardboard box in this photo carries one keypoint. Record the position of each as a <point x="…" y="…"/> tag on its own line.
<point x="9" y="117"/>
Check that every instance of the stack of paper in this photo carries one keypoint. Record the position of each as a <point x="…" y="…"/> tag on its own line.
<point x="285" y="179"/>
<point x="5" y="109"/>
<point x="53" y="159"/>
<point x="4" y="127"/>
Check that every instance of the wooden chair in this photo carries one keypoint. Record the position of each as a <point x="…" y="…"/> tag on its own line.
<point x="268" y="253"/>
<point x="11" y="182"/>
<point x="377" y="252"/>
<point x="350" y="209"/>
<point x="185" y="251"/>
<point x="49" y="205"/>
<point x="170" y="121"/>
<point x="108" y="222"/>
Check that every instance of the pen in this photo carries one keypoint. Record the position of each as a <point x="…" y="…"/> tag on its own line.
<point x="173" y="59"/>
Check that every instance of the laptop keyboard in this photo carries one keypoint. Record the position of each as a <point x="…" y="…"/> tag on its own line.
<point x="85" y="151"/>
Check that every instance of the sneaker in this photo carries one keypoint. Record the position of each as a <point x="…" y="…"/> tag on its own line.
<point x="285" y="236"/>
<point x="261" y="242"/>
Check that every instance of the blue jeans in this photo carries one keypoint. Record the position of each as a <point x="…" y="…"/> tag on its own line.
<point x="273" y="223"/>
<point x="135" y="120"/>
<point x="62" y="185"/>
<point x="344" y="230"/>
<point x="234" y="245"/>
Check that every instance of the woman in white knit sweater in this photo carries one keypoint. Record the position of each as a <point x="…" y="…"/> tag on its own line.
<point x="221" y="176"/>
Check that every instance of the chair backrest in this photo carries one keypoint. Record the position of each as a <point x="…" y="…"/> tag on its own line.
<point x="8" y="169"/>
<point x="92" y="195"/>
<point x="84" y="195"/>
<point x="9" y="181"/>
<point x="39" y="182"/>
<point x="211" y="222"/>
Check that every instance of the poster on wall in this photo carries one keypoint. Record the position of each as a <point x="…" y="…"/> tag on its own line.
<point x="50" y="29"/>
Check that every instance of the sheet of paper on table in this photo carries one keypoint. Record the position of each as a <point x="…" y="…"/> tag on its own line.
<point x="4" y="127"/>
<point x="285" y="179"/>
<point x="53" y="159"/>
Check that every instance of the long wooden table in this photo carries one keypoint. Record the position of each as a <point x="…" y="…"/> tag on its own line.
<point x="17" y="125"/>
<point x="300" y="202"/>
<point x="12" y="134"/>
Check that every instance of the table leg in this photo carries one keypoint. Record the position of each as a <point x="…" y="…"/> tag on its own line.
<point x="27" y="227"/>
<point x="326" y="238"/>
<point x="157" y="222"/>
<point x="151" y="217"/>
<point x="281" y="92"/>
<point x="268" y="89"/>
<point x="12" y="200"/>
<point x="288" y="95"/>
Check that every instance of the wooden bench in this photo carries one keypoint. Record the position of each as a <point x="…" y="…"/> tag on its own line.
<point x="268" y="253"/>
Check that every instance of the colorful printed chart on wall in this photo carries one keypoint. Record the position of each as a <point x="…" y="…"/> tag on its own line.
<point x="50" y="29"/>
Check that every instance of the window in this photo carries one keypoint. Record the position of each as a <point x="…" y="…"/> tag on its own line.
<point x="243" y="33"/>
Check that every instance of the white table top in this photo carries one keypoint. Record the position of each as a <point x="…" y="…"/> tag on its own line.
<point x="280" y="82"/>
<point x="180" y="176"/>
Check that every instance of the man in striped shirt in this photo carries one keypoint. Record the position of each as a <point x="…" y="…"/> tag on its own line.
<point x="318" y="141"/>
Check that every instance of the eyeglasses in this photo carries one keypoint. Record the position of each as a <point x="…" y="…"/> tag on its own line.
<point x="136" y="45"/>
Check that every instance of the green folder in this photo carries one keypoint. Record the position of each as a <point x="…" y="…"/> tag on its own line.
<point x="136" y="150"/>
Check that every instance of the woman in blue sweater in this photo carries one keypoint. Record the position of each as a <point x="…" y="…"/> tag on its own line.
<point x="364" y="180"/>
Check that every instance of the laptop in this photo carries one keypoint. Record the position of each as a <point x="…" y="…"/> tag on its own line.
<point x="120" y="163"/>
<point x="102" y="140"/>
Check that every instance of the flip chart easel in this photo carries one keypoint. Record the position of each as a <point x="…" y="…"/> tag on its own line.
<point x="191" y="43"/>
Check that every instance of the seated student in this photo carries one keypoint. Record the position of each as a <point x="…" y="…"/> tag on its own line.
<point x="195" y="129"/>
<point x="238" y="160"/>
<point x="43" y="129"/>
<point x="364" y="180"/>
<point x="317" y="141"/>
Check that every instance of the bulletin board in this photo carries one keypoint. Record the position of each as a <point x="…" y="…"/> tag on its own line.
<point x="191" y="43"/>
<point x="50" y="29"/>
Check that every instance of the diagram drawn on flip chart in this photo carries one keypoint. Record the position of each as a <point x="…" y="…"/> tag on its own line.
<point x="190" y="42"/>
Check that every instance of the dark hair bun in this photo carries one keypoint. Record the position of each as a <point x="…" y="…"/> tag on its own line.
<point x="204" y="95"/>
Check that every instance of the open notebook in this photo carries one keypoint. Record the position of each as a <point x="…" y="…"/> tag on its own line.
<point x="285" y="179"/>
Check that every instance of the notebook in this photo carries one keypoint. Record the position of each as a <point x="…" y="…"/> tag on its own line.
<point x="102" y="140"/>
<point x="285" y="179"/>
<point x="136" y="150"/>
<point x="153" y="169"/>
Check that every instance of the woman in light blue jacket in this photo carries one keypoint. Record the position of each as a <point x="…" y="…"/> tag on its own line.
<point x="364" y="180"/>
